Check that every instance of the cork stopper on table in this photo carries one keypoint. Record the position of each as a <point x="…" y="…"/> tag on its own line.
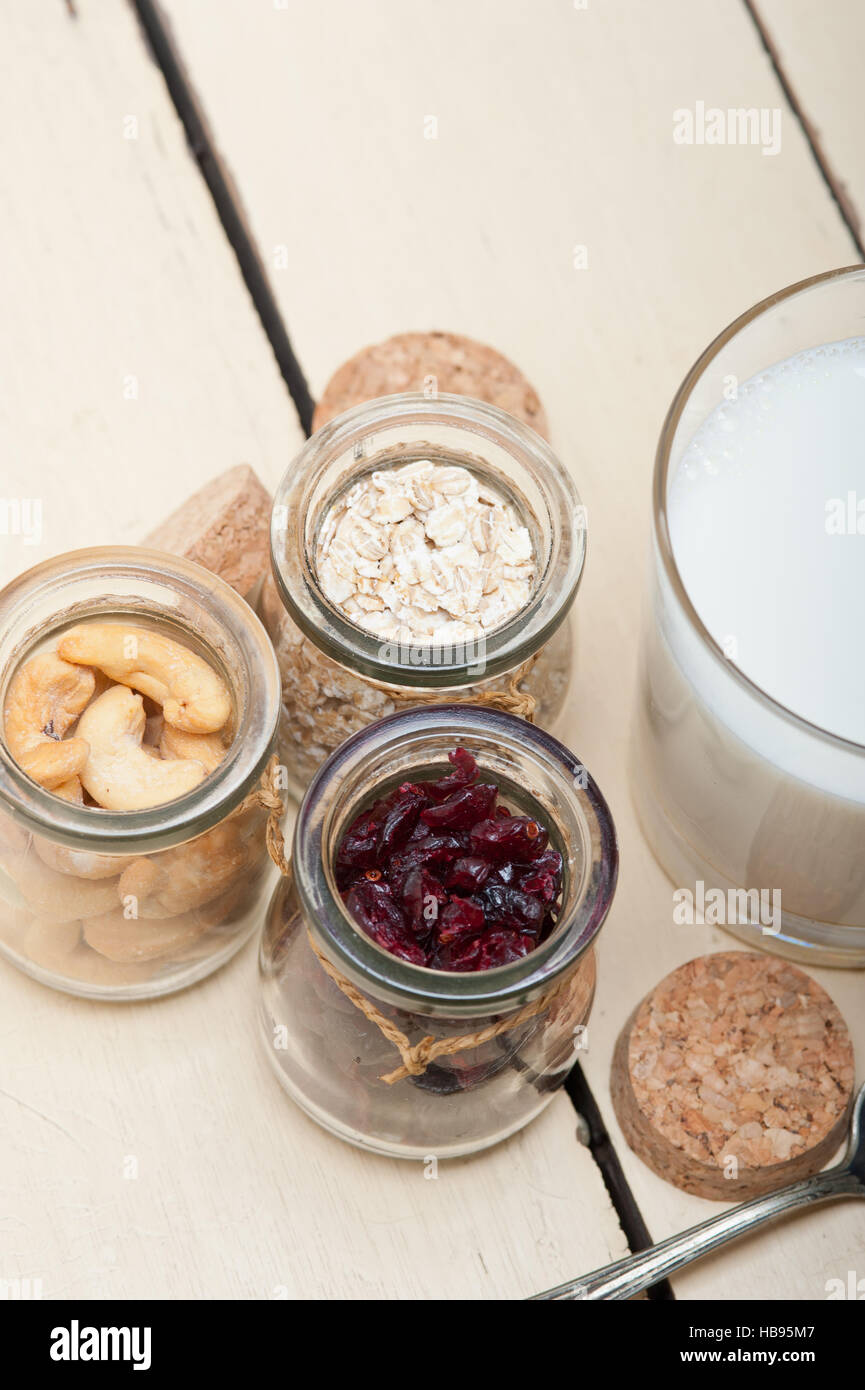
<point x="225" y="527"/>
<point x="443" y="362"/>
<point x="734" y="1076"/>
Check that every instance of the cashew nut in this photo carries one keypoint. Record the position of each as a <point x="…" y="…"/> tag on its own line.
<point x="136" y="893"/>
<point x="49" y="943"/>
<point x="207" y="749"/>
<point x="193" y="697"/>
<point x="80" y="863"/>
<point x="86" y="966"/>
<point x="118" y="773"/>
<point x="60" y="896"/>
<point x="45" y="698"/>
<point x="204" y="869"/>
<point x="128" y="941"/>
<point x="138" y="880"/>
<point x="187" y="877"/>
<point x="224" y="908"/>
<point x="71" y="791"/>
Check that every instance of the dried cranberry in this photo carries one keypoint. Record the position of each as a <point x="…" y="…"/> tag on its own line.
<point x="453" y="1078"/>
<point x="543" y="886"/>
<point x="459" y="919"/>
<point x="466" y="772"/>
<point x="372" y="906"/>
<point x="519" y="838"/>
<point x="358" y="847"/>
<point x="440" y="875"/>
<point x="502" y="947"/>
<point x="404" y="807"/>
<point x="374" y="901"/>
<point x="461" y="955"/>
<point x="421" y="896"/>
<point x="462" y="810"/>
<point x="468" y="873"/>
<point x="509" y="907"/>
<point x="435" y="849"/>
<point x="420" y="832"/>
<point x="550" y="862"/>
<point x="543" y="877"/>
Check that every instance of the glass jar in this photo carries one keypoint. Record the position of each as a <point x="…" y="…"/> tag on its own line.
<point x="735" y="792"/>
<point x="76" y="910"/>
<point x="330" y="1055"/>
<point x="336" y="677"/>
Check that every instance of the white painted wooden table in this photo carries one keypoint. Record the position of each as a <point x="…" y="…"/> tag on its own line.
<point x="146" y="1149"/>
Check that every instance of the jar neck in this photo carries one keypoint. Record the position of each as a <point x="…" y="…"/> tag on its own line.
<point x="157" y="590"/>
<point x="456" y="430"/>
<point x="534" y="773"/>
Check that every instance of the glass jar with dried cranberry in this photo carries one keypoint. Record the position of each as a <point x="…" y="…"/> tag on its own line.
<point x="428" y="971"/>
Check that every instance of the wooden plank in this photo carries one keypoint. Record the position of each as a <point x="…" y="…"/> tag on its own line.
<point x="148" y="1151"/>
<point x="554" y="132"/>
<point x="820" y="51"/>
<point x="132" y="366"/>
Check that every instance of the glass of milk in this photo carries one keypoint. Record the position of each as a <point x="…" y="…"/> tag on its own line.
<point x="749" y="766"/>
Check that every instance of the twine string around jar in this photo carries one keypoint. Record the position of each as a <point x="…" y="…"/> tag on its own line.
<point x="512" y="700"/>
<point x="416" y="1057"/>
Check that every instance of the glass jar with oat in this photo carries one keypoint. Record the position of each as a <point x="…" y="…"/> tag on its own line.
<point x="428" y="967"/>
<point x="139" y="697"/>
<point x="423" y="549"/>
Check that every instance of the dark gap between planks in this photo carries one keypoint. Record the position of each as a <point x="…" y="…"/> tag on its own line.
<point x="225" y="200"/>
<point x="227" y="203"/>
<point x="835" y="185"/>
<point x="601" y="1148"/>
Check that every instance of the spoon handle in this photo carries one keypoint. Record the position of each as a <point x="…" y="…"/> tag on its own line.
<point x="627" y="1277"/>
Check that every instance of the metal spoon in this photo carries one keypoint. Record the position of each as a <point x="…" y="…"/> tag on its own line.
<point x="627" y="1277"/>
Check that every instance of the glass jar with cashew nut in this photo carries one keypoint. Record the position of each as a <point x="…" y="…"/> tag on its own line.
<point x="428" y="967"/>
<point x="139" y="698"/>
<point x="423" y="550"/>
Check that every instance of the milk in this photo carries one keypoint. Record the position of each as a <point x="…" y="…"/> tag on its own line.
<point x="769" y="536"/>
<point x="765" y="506"/>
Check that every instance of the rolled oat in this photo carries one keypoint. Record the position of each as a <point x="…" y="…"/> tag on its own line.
<point x="425" y="552"/>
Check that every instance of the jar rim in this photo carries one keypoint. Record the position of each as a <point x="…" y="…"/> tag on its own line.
<point x="418" y="987"/>
<point x="351" y="646"/>
<point x="660" y="521"/>
<point x="173" y="822"/>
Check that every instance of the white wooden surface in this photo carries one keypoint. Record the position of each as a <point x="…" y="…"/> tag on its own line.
<point x="821" y="50"/>
<point x="146" y="1150"/>
<point x="149" y="1152"/>
<point x="132" y="366"/>
<point x="554" y="132"/>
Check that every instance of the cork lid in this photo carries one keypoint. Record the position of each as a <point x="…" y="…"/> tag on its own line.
<point x="433" y="362"/>
<point x="734" y="1076"/>
<point x="225" y="527"/>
